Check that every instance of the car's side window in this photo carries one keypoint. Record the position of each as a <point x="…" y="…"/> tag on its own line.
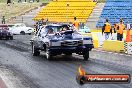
<point x="17" y="26"/>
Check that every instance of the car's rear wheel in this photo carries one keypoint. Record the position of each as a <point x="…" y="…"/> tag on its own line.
<point x="35" y="51"/>
<point x="86" y="55"/>
<point x="48" y="55"/>
<point x="7" y="38"/>
<point x="22" y="33"/>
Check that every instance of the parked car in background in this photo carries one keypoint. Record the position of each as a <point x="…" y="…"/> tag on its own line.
<point x="21" y="28"/>
<point x="5" y="32"/>
<point x="84" y="29"/>
<point x="57" y="39"/>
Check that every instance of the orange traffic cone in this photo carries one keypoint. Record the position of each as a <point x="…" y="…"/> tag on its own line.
<point x="128" y="36"/>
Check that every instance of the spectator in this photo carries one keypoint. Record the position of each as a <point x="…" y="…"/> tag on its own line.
<point x="43" y="21"/>
<point x="36" y="26"/>
<point x="37" y="0"/>
<point x="19" y="1"/>
<point x="8" y="1"/>
<point x="120" y="29"/>
<point x="128" y="33"/>
<point x="107" y="29"/>
<point x="47" y="21"/>
<point x="115" y="27"/>
<point x="76" y="23"/>
<point x="3" y="20"/>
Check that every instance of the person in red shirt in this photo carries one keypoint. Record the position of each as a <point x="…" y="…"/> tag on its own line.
<point x="120" y="29"/>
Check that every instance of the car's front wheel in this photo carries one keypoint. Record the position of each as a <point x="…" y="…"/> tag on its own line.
<point x="22" y="33"/>
<point x="35" y="52"/>
<point x="86" y="55"/>
<point x="7" y="38"/>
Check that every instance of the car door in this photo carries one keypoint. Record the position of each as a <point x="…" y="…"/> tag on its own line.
<point x="16" y="29"/>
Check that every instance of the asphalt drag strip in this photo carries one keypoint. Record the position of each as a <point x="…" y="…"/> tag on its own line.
<point x="37" y="72"/>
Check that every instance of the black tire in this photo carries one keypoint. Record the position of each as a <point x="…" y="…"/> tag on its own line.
<point x="29" y="33"/>
<point x="11" y="38"/>
<point x="86" y="55"/>
<point x="67" y="53"/>
<point x="35" y="52"/>
<point x="7" y="38"/>
<point x="22" y="33"/>
<point x="48" y="55"/>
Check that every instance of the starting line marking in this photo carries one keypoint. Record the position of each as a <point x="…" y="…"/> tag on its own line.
<point x="112" y="52"/>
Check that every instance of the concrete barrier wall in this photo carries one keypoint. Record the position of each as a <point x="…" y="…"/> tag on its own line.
<point x="98" y="38"/>
<point x="113" y="45"/>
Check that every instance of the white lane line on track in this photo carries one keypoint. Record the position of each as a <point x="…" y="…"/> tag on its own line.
<point x="111" y="52"/>
<point x="128" y="55"/>
<point x="121" y="54"/>
<point x="115" y="53"/>
<point x="103" y="51"/>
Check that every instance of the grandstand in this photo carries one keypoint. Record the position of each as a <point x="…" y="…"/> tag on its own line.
<point x="66" y="10"/>
<point x="114" y="10"/>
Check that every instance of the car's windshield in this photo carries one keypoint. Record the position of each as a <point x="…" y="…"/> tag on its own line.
<point x="56" y="28"/>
